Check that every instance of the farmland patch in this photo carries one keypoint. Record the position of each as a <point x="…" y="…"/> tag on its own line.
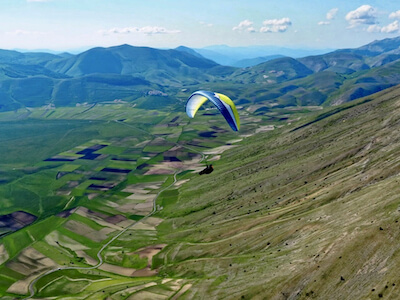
<point x="29" y="262"/>
<point x="15" y="221"/>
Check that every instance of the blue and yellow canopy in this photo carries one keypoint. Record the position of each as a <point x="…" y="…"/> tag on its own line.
<point x="224" y="104"/>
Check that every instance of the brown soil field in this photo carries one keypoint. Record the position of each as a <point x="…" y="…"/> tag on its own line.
<point x="170" y="167"/>
<point x="142" y="226"/>
<point x="89" y="260"/>
<point x="56" y="239"/>
<point x="115" y="219"/>
<point x="132" y="189"/>
<point x="145" y="295"/>
<point x="23" y="217"/>
<point x="117" y="269"/>
<point x="149" y="252"/>
<point x="215" y="158"/>
<point x="180" y="182"/>
<point x="86" y="231"/>
<point x="182" y="291"/>
<point x="134" y="289"/>
<point x="97" y="217"/>
<point x="21" y="287"/>
<point x="125" y="223"/>
<point x="3" y="254"/>
<point x="141" y="197"/>
<point x="219" y="150"/>
<point x="143" y="188"/>
<point x="153" y="221"/>
<point x="234" y="141"/>
<point x="66" y="213"/>
<point x="160" y="170"/>
<point x="29" y="262"/>
<point x="16" y="221"/>
<point x="265" y="128"/>
<point x="146" y="272"/>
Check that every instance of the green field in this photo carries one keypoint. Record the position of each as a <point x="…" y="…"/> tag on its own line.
<point x="290" y="210"/>
<point x="60" y="180"/>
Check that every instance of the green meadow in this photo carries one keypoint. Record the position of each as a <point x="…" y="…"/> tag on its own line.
<point x="48" y="175"/>
<point x="298" y="200"/>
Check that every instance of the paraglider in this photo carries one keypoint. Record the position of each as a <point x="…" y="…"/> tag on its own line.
<point x="224" y="104"/>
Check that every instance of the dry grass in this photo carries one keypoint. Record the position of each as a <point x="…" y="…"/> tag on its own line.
<point x="311" y="213"/>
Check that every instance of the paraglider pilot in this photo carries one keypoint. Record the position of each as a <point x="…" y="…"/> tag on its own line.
<point x="207" y="170"/>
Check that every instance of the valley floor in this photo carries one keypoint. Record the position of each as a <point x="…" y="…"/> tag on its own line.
<point x="105" y="193"/>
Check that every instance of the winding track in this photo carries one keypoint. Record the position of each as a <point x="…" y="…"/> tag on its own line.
<point x="100" y="258"/>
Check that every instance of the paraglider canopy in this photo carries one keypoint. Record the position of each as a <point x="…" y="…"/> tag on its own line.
<point x="224" y="104"/>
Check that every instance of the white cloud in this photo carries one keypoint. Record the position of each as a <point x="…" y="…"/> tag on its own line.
<point x="365" y="14"/>
<point x="245" y="25"/>
<point x="147" y="30"/>
<point x="276" y="25"/>
<point x="273" y="25"/>
<point x="324" y="23"/>
<point x="330" y="15"/>
<point x="391" y="28"/>
<point x="395" y="15"/>
<point x="374" y="28"/>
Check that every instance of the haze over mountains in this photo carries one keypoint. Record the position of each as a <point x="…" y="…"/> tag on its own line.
<point x="252" y="55"/>
<point x="129" y="73"/>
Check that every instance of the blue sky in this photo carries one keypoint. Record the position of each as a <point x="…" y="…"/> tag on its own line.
<point x="78" y="24"/>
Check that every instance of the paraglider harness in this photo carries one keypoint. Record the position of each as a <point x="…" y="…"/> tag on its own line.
<point x="207" y="170"/>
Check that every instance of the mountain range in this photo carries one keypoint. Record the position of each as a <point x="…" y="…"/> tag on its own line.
<point x="130" y="73"/>
<point x="252" y="55"/>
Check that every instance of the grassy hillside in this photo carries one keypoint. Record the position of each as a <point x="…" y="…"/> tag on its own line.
<point x="308" y="210"/>
<point x="305" y="212"/>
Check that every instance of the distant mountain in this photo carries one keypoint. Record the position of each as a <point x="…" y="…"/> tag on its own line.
<point x="255" y="61"/>
<point x="225" y="60"/>
<point x="99" y="74"/>
<point x="339" y="62"/>
<point x="273" y="71"/>
<point x="377" y="47"/>
<point x="28" y="58"/>
<point x="188" y="50"/>
<point x="136" y="73"/>
<point x="377" y="53"/>
<point x="165" y="66"/>
<point x="231" y="56"/>
<point x="330" y="79"/>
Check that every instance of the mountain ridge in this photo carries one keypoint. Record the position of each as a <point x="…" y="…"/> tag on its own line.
<point x="279" y="81"/>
